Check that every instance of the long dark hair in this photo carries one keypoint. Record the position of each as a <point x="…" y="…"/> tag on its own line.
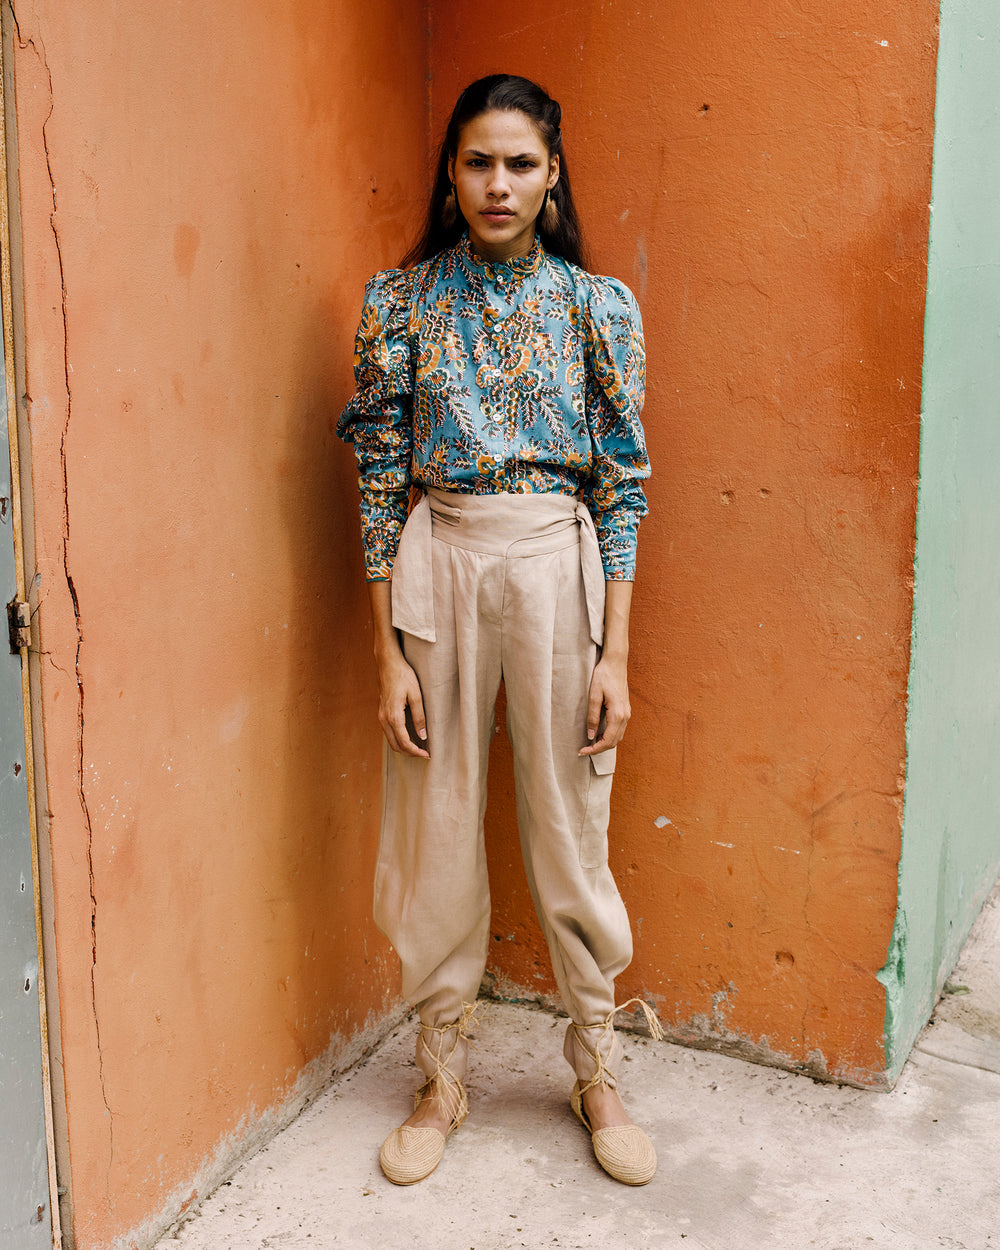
<point x="503" y="93"/>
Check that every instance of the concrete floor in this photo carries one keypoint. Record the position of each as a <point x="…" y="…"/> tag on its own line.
<point x="750" y="1158"/>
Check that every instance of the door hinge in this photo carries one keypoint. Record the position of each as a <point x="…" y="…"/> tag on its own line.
<point x="19" y="620"/>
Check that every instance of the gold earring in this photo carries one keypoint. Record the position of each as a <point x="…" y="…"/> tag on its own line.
<point x="550" y="214"/>
<point x="449" y="210"/>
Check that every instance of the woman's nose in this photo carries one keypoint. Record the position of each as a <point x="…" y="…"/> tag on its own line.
<point x="499" y="183"/>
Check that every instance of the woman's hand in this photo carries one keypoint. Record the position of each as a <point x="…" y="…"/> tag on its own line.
<point x="399" y="689"/>
<point x="608" y="697"/>
<point x="609" y="684"/>
<point x="399" y="692"/>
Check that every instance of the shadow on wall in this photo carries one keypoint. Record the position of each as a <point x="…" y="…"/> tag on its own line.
<point x="332" y="752"/>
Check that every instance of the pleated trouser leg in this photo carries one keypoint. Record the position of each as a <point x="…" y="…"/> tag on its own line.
<point x="521" y="613"/>
<point x="563" y="799"/>
<point x="432" y="897"/>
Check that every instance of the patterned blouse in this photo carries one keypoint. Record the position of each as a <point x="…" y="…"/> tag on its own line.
<point x="521" y="376"/>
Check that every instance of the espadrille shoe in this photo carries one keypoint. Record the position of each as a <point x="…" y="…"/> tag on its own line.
<point x="625" y="1153"/>
<point x="410" y="1154"/>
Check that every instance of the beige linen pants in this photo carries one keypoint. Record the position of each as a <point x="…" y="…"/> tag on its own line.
<point x="500" y="586"/>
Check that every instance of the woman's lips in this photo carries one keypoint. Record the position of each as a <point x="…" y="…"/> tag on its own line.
<point x="496" y="214"/>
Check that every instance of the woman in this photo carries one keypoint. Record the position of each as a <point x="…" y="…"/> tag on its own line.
<point x="505" y="382"/>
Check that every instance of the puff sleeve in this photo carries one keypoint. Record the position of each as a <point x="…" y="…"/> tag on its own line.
<point x="615" y="386"/>
<point x="378" y="418"/>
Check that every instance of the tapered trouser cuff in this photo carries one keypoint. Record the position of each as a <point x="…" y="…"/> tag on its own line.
<point x="594" y="1051"/>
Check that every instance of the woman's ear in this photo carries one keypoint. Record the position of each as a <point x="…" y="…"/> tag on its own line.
<point x="451" y="170"/>
<point x="553" y="172"/>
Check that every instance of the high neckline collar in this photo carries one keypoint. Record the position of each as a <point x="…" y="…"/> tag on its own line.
<point x="516" y="267"/>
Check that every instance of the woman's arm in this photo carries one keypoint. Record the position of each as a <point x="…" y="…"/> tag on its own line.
<point x="609" y="684"/>
<point x="398" y="685"/>
<point x="378" y="417"/>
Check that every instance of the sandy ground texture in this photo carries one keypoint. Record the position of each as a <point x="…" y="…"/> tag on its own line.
<point x="751" y="1158"/>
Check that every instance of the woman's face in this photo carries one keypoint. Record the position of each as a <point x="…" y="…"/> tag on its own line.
<point x="501" y="172"/>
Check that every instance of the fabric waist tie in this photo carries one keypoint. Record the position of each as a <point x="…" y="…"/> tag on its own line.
<point x="510" y="525"/>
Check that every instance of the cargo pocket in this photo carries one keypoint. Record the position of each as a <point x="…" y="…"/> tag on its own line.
<point x="594" y="835"/>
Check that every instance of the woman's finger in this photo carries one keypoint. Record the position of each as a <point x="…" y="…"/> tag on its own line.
<point x="417" y="715"/>
<point x="401" y="736"/>
<point x="595" y="705"/>
<point x="387" y="730"/>
<point x="616" y="721"/>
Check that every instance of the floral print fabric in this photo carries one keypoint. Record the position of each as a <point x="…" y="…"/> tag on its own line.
<point x="521" y="376"/>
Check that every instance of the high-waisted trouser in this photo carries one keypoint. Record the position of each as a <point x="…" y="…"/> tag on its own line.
<point x="500" y="586"/>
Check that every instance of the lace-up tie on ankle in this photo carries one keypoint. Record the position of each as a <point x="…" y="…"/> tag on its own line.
<point x="409" y="1153"/>
<point x="625" y="1152"/>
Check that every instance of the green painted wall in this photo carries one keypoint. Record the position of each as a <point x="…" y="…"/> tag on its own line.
<point x="951" y="822"/>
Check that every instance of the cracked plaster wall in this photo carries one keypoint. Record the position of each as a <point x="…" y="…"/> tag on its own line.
<point x="203" y="191"/>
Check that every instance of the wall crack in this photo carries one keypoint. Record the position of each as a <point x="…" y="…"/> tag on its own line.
<point x="37" y="48"/>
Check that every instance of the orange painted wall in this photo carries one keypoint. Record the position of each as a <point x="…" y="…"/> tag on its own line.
<point x="760" y="176"/>
<point x="203" y="191"/>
